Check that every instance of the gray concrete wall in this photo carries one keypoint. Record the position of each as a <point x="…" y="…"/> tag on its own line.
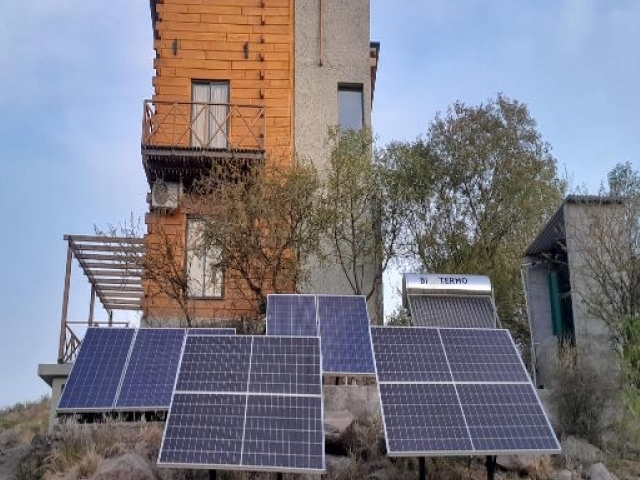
<point x="345" y="60"/>
<point x="539" y="305"/>
<point x="593" y="338"/>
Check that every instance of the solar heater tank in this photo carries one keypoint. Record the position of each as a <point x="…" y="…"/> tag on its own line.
<point x="444" y="284"/>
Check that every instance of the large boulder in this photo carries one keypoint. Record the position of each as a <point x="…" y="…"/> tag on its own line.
<point x="599" y="472"/>
<point x="524" y="464"/>
<point x="563" y="475"/>
<point x="130" y="466"/>
<point x="358" y="400"/>
<point x="578" y="450"/>
<point x="335" y="424"/>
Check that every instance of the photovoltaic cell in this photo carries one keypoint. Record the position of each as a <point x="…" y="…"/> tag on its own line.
<point x="423" y="418"/>
<point x="343" y="324"/>
<point x="215" y="364"/>
<point x="291" y="315"/>
<point x="506" y="417"/>
<point x="151" y="371"/>
<point x="284" y="432"/>
<point x="452" y="311"/>
<point x="266" y="415"/>
<point x="211" y="331"/>
<point x="487" y="405"/>
<point x="285" y="365"/>
<point x="204" y="428"/>
<point x="406" y="355"/>
<point x="95" y="376"/>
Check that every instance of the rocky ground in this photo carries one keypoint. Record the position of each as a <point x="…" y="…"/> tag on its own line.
<point x="354" y="444"/>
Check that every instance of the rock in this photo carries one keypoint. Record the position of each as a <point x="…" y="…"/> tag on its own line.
<point x="358" y="400"/>
<point x="518" y="463"/>
<point x="336" y="463"/>
<point x="599" y="472"/>
<point x="335" y="424"/>
<point x="564" y="475"/>
<point x="130" y="466"/>
<point x="581" y="451"/>
<point x="9" y="438"/>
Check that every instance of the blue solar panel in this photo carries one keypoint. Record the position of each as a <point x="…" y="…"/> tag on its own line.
<point x="486" y="405"/>
<point x="211" y="331"/>
<point x="269" y="417"/>
<point x="204" y="428"/>
<point x="423" y="418"/>
<point x="344" y="328"/>
<point x="481" y="355"/>
<point x="284" y="432"/>
<point x="506" y="417"/>
<point x="95" y="376"/>
<point x="151" y="371"/>
<point x="291" y="315"/>
<point x="215" y="363"/>
<point x="285" y="365"/>
<point x="408" y="354"/>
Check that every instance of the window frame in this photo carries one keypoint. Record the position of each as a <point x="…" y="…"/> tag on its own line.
<point x="353" y="88"/>
<point x="189" y="294"/>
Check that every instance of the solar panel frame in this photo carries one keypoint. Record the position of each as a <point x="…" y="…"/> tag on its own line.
<point x="452" y="311"/>
<point x="290" y="321"/>
<point x="130" y="400"/>
<point x="246" y="393"/>
<point x="73" y="384"/>
<point x="212" y="331"/>
<point x="329" y="356"/>
<point x="553" y="447"/>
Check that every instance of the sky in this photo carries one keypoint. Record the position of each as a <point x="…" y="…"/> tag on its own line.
<point x="74" y="75"/>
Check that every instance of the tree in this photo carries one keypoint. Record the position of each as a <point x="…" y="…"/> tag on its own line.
<point x="476" y="190"/>
<point x="360" y="211"/>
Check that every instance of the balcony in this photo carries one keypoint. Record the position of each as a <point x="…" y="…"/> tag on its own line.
<point x="184" y="140"/>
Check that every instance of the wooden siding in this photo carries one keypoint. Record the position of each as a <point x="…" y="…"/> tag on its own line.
<point x="210" y="38"/>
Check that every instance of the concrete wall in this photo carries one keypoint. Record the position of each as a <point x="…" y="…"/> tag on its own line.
<point x="345" y="59"/>
<point x="593" y="338"/>
<point x="544" y="341"/>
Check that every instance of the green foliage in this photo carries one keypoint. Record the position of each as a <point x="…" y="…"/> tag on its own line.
<point x="476" y="191"/>
<point x="400" y="318"/>
<point x="624" y="180"/>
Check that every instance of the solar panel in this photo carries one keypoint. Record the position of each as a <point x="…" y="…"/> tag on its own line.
<point x="151" y="371"/>
<point x="485" y="406"/>
<point x="291" y="315"/>
<point x="95" y="377"/>
<point x="247" y="403"/>
<point x="211" y="331"/>
<point x="452" y="311"/>
<point x="343" y="323"/>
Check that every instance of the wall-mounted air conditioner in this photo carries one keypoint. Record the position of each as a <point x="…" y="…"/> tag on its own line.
<point x="165" y="195"/>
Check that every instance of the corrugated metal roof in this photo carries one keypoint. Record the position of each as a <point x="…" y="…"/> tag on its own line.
<point x="553" y="234"/>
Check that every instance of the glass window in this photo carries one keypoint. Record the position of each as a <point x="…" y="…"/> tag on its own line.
<point x="350" y="107"/>
<point x="209" y="114"/>
<point x="204" y="275"/>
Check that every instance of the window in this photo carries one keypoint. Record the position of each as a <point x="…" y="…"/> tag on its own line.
<point x="209" y="114"/>
<point x="350" y="107"/>
<point x="204" y="276"/>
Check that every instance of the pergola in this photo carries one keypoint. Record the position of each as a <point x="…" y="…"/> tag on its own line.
<point x="113" y="266"/>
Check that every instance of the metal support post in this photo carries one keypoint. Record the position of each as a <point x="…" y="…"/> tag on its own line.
<point x="65" y="306"/>
<point x="423" y="468"/>
<point x="491" y="466"/>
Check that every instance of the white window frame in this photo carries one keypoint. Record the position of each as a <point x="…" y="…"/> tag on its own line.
<point x="204" y="281"/>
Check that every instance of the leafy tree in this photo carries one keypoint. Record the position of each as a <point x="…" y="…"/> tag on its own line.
<point x="476" y="189"/>
<point x="624" y="180"/>
<point x="360" y="211"/>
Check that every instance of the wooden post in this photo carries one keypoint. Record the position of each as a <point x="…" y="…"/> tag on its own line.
<point x="92" y="304"/>
<point x="65" y="306"/>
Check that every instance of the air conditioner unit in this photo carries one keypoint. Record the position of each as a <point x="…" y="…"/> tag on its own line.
<point x="165" y="195"/>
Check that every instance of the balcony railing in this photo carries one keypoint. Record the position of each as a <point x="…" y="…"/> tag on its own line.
<point x="203" y="126"/>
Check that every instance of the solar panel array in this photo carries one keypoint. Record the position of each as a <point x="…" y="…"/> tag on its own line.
<point x="452" y="311"/>
<point x="457" y="392"/>
<point x="343" y="324"/>
<point x="291" y="315"/>
<point x="249" y="403"/>
<point x="126" y="369"/>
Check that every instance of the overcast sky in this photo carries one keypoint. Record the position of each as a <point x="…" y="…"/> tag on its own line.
<point x="74" y="75"/>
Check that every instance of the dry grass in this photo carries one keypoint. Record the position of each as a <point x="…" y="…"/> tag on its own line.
<point x="26" y="419"/>
<point x="78" y="450"/>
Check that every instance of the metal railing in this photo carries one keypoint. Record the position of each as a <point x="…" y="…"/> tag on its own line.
<point x="206" y="126"/>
